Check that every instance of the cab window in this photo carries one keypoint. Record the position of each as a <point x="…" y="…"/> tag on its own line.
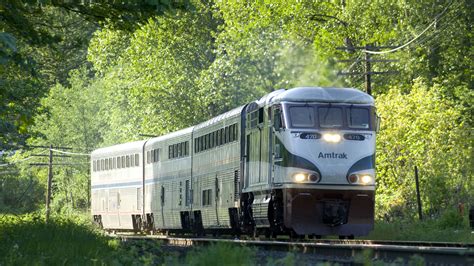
<point x="302" y="116"/>
<point x="358" y="118"/>
<point x="330" y="117"/>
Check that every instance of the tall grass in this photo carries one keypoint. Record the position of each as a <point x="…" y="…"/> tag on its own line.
<point x="28" y="240"/>
<point x="448" y="227"/>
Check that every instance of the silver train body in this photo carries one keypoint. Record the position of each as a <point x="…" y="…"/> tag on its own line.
<point x="298" y="161"/>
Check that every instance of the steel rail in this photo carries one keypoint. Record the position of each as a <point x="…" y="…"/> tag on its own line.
<point x="433" y="253"/>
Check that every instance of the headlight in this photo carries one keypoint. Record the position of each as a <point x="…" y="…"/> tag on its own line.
<point x="306" y="177"/>
<point x="362" y="179"/>
<point x="299" y="177"/>
<point x="314" y="177"/>
<point x="331" y="137"/>
<point x="366" y="179"/>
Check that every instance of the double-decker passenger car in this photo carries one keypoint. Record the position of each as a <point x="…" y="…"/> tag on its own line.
<point x="298" y="161"/>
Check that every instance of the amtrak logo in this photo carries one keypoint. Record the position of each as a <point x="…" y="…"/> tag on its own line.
<point x="332" y="155"/>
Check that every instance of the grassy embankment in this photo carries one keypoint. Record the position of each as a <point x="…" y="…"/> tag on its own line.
<point x="28" y="240"/>
<point x="449" y="227"/>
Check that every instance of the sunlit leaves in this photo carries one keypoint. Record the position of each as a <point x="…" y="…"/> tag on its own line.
<point x="426" y="130"/>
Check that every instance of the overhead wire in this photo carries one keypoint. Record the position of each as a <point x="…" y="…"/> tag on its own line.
<point x="436" y="19"/>
<point x="71" y="153"/>
<point x="19" y="161"/>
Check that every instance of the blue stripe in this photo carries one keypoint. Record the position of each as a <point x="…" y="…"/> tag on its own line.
<point x="363" y="164"/>
<point x="118" y="185"/>
<point x="147" y="181"/>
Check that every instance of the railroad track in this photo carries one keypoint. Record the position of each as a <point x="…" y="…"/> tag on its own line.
<point x="433" y="253"/>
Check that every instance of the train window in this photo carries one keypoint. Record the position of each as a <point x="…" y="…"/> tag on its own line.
<point x="236" y="131"/>
<point x="186" y="148"/>
<point x="123" y="162"/>
<point x="206" y="197"/>
<point x="94" y="165"/>
<point x="260" y="115"/>
<point x="206" y="142"/>
<point x="114" y="163"/>
<point x="137" y="160"/>
<point x="101" y="164"/>
<point x="110" y="164"/>
<point x="127" y="161"/>
<point x="226" y="135"/>
<point x="358" y="118"/>
<point x="218" y="138"/>
<point x="253" y="119"/>
<point x="208" y="136"/>
<point x="148" y="157"/>
<point x="119" y="163"/>
<point x="222" y="137"/>
<point x="233" y="132"/>
<point x="180" y="149"/>
<point x="106" y="164"/>
<point x="330" y="117"/>
<point x="195" y="145"/>
<point x="213" y="139"/>
<point x="157" y="154"/>
<point x="302" y="116"/>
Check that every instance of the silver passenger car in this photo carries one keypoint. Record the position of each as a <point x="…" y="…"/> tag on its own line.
<point x="298" y="161"/>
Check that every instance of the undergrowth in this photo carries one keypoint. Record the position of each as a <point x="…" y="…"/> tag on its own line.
<point x="28" y="240"/>
<point x="448" y="227"/>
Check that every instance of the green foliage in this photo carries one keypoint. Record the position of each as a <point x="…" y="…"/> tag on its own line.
<point x="28" y="240"/>
<point x="152" y="71"/>
<point x="450" y="226"/>
<point x="72" y="239"/>
<point x="221" y="254"/>
<point x="426" y="130"/>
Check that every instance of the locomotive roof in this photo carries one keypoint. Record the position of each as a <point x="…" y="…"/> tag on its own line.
<point x="135" y="146"/>
<point x="320" y="94"/>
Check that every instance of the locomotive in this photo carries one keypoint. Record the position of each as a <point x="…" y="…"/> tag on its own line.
<point x="298" y="161"/>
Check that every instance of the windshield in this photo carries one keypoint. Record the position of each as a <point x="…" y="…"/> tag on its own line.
<point x="358" y="118"/>
<point x="302" y="116"/>
<point x="330" y="116"/>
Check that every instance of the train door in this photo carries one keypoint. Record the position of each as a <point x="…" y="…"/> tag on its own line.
<point x="257" y="149"/>
<point x="253" y="147"/>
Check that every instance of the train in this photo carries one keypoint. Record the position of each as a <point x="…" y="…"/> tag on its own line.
<point x="298" y="162"/>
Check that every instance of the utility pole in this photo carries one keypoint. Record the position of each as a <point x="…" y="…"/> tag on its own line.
<point x="368" y="69"/>
<point x="50" y="180"/>
<point x="368" y="64"/>
<point x="418" y="198"/>
<point x="50" y="172"/>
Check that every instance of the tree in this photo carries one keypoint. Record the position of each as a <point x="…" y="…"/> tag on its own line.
<point x="425" y="129"/>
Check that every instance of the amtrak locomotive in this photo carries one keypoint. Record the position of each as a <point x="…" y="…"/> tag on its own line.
<point x="298" y="162"/>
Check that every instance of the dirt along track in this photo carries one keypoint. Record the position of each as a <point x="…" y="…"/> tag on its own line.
<point x="308" y="252"/>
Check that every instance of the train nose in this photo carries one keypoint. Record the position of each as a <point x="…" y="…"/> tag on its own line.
<point x="335" y="212"/>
